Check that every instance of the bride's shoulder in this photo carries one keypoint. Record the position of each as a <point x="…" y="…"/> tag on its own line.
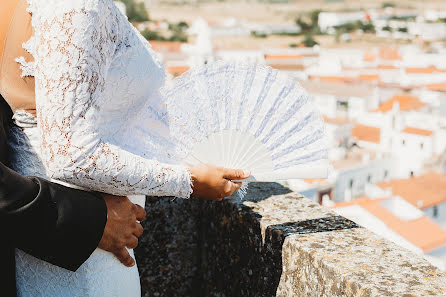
<point x="58" y="7"/>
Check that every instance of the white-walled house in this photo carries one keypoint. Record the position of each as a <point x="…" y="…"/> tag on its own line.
<point x="413" y="146"/>
<point x="427" y="31"/>
<point x="359" y="168"/>
<point x="400" y="222"/>
<point x="426" y="192"/>
<point x="329" y="20"/>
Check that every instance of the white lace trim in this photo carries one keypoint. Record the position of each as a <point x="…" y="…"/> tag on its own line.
<point x="28" y="68"/>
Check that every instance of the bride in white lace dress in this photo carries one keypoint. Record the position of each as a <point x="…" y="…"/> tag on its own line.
<point x="94" y="74"/>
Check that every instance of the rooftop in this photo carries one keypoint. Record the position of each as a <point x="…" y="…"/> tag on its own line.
<point x="366" y="133"/>
<point x="437" y="87"/>
<point x="166" y="46"/>
<point x="177" y="69"/>
<point x="361" y="90"/>
<point x="283" y="56"/>
<point x="421" y="231"/>
<point x="421" y="132"/>
<point x="355" y="157"/>
<point x="422" y="191"/>
<point x="336" y="120"/>
<point x="406" y="103"/>
<point x="421" y="70"/>
<point x="390" y="54"/>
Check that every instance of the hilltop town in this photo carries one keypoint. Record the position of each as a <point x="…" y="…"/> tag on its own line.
<point x="377" y="72"/>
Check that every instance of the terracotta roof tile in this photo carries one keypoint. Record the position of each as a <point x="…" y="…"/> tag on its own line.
<point x="369" y="56"/>
<point x="391" y="54"/>
<point x="421" y="70"/>
<point x="336" y="121"/>
<point x="428" y="188"/>
<point x="166" y="46"/>
<point x="369" y="77"/>
<point x="421" y="232"/>
<point x="287" y="66"/>
<point x="386" y="67"/>
<point x="314" y="180"/>
<point x="366" y="133"/>
<point x="437" y="87"/>
<point x="177" y="70"/>
<point x="413" y="130"/>
<point x="333" y="78"/>
<point x="406" y="103"/>
<point x="283" y="57"/>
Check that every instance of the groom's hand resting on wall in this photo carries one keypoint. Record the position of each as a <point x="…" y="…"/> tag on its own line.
<point x="122" y="228"/>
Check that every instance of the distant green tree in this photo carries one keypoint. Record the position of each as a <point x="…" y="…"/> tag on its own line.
<point x="183" y="25"/>
<point x="178" y="37"/>
<point x="293" y="45"/>
<point x="309" y="22"/>
<point x="347" y="27"/>
<point x="402" y="30"/>
<point x="258" y="35"/>
<point x="136" y="11"/>
<point x="388" y="4"/>
<point x="387" y="28"/>
<point x="403" y="18"/>
<point x="152" y="35"/>
<point x="314" y="17"/>
<point x="179" y="27"/>
<point x="309" y="41"/>
<point x="367" y="27"/>
<point x="304" y="25"/>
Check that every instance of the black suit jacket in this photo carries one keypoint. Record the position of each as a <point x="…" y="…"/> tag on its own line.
<point x="57" y="224"/>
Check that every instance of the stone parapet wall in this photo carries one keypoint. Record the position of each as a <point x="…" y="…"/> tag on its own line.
<point x="273" y="243"/>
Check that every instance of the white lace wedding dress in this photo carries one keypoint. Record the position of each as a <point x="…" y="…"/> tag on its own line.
<point x="97" y="86"/>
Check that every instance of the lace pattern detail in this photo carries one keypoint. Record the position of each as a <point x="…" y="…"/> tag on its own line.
<point x="81" y="48"/>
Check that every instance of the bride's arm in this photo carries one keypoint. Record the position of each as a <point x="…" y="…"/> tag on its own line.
<point x="72" y="55"/>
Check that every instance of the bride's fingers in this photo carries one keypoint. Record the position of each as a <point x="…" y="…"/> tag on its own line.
<point x="235" y="173"/>
<point x="124" y="257"/>
<point x="235" y="186"/>
<point x="230" y="187"/>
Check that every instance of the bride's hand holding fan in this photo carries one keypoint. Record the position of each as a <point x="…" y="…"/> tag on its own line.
<point x="214" y="183"/>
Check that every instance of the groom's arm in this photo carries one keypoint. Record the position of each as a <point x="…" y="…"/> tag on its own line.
<point x="57" y="224"/>
<point x="49" y="221"/>
<point x="62" y="225"/>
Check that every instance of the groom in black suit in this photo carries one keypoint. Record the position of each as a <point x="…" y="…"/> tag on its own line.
<point x="57" y="224"/>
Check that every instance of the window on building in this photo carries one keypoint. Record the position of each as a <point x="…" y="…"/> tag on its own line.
<point x="421" y="145"/>
<point x="369" y="178"/>
<point x="403" y="142"/>
<point x="351" y="183"/>
<point x="386" y="173"/>
<point x="435" y="211"/>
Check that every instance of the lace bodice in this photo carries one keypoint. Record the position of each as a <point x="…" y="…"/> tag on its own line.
<point x="94" y="74"/>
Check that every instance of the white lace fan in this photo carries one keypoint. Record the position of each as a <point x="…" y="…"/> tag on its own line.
<point x="246" y="116"/>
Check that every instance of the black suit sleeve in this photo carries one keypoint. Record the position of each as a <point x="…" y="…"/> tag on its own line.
<point x="54" y="223"/>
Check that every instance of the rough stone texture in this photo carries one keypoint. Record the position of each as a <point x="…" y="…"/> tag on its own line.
<point x="354" y="262"/>
<point x="273" y="243"/>
<point x="168" y="254"/>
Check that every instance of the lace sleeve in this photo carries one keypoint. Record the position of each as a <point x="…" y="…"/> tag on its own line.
<point x="72" y="54"/>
